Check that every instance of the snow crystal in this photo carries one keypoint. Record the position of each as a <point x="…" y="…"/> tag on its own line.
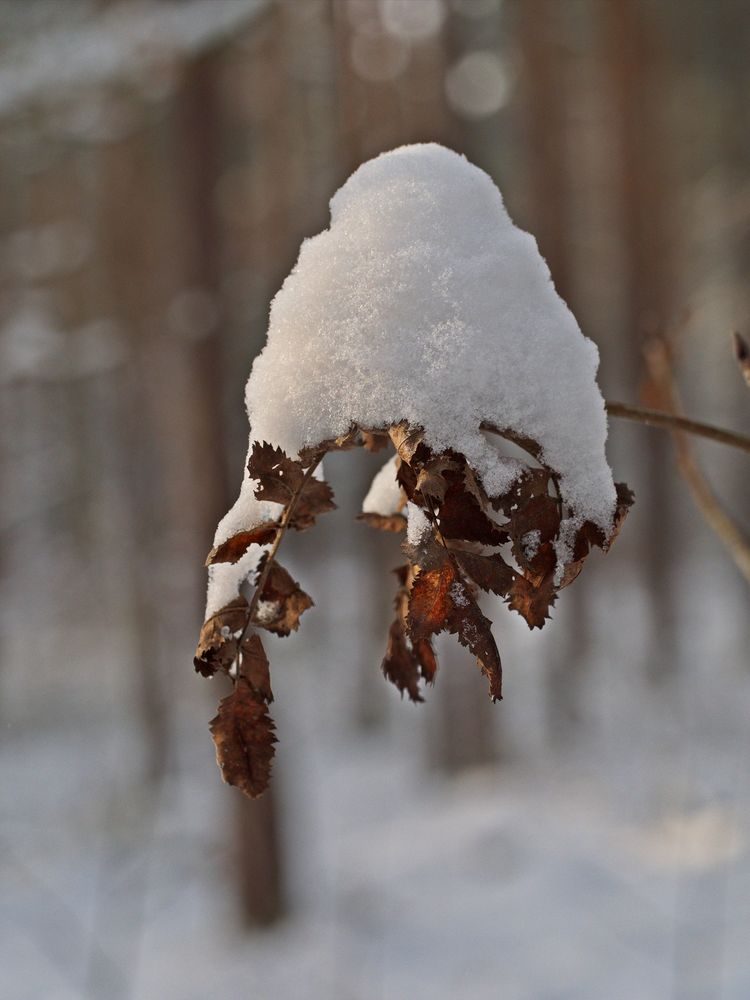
<point x="530" y="543"/>
<point x="459" y="597"/>
<point x="424" y="302"/>
<point x="417" y="524"/>
<point x="384" y="496"/>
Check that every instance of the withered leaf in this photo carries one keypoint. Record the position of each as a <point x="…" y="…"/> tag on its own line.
<point x="254" y="667"/>
<point x="461" y="515"/>
<point x="430" y="479"/>
<point x="316" y="498"/>
<point x="281" y="479"/>
<point x="537" y="518"/>
<point x="281" y="603"/>
<point x="400" y="665"/>
<point x="385" y="522"/>
<point x="217" y="645"/>
<point x="532" y="601"/>
<point x="491" y="572"/>
<point x="440" y="600"/>
<point x="244" y="736"/>
<point x="531" y="483"/>
<point x="425" y="654"/>
<point x="406" y="440"/>
<point x="232" y="550"/>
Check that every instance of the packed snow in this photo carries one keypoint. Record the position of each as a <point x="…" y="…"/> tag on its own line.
<point x="424" y="302"/>
<point x="384" y="496"/>
<point x="417" y="524"/>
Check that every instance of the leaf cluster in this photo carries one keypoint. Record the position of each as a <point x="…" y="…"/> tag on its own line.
<point x="508" y="545"/>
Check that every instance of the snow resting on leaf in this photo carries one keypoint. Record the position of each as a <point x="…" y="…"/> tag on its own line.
<point x="424" y="302"/>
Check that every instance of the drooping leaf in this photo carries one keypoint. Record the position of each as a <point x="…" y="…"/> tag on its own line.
<point x="281" y="602"/>
<point x="254" y="667"/>
<point x="400" y="666"/>
<point x="243" y="733"/>
<point x="532" y="601"/>
<point x="440" y="600"/>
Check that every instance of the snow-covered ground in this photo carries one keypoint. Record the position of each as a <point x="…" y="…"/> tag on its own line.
<point x="615" y="869"/>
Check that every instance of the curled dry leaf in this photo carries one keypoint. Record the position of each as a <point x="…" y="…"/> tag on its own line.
<point x="281" y="602"/>
<point x="234" y="548"/>
<point x="217" y="645"/>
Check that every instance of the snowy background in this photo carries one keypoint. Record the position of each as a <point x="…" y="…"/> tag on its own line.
<point x="586" y="839"/>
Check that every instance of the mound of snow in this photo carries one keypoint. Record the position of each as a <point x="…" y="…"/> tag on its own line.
<point x="424" y="302"/>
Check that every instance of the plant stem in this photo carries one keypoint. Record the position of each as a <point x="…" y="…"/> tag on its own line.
<point x="283" y="525"/>
<point x="675" y="422"/>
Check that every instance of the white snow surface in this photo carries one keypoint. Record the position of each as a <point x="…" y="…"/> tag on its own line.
<point x="384" y="496"/>
<point x="417" y="524"/>
<point x="423" y="301"/>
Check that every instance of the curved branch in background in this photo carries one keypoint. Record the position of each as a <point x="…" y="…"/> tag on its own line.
<point x="677" y="423"/>
<point x="723" y="526"/>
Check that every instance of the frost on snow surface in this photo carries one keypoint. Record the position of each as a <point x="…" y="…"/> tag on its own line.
<point x="424" y="302"/>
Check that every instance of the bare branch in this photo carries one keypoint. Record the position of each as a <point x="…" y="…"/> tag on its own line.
<point x="677" y="422"/>
<point x="730" y="535"/>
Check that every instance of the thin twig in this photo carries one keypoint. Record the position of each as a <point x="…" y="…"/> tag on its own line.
<point x="283" y="525"/>
<point x="676" y="422"/>
<point x="723" y="526"/>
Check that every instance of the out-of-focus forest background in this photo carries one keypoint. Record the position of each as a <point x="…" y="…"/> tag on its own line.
<point x="588" y="838"/>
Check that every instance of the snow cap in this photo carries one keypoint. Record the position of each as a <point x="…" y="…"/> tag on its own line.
<point x="424" y="302"/>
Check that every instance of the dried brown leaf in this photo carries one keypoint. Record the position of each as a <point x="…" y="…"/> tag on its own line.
<point x="532" y="601"/>
<point x="400" y="665"/>
<point x="406" y="440"/>
<point x="281" y="603"/>
<point x="281" y="479"/>
<point x="243" y="733"/>
<point x="217" y="645"/>
<point x="440" y="600"/>
<point x="461" y="516"/>
<point x="491" y="573"/>
<point x="234" y="548"/>
<point x="254" y="667"/>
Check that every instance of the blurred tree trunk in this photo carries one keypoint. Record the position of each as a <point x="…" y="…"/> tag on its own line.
<point x="257" y="855"/>
<point x="633" y="54"/>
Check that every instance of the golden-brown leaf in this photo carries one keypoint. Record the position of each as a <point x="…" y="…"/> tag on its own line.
<point x="440" y="600"/>
<point x="532" y="601"/>
<point x="406" y="440"/>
